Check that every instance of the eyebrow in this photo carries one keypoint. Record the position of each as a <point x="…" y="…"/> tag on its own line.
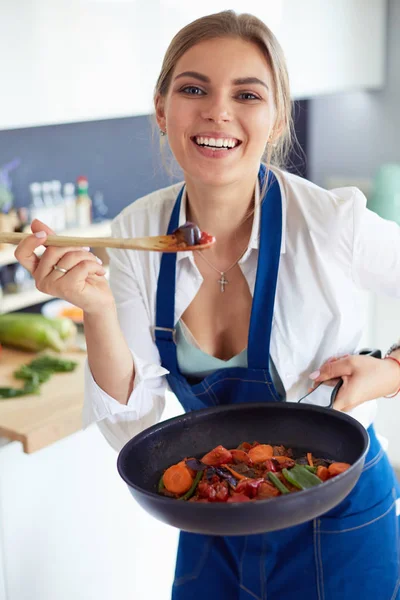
<point x="239" y="81"/>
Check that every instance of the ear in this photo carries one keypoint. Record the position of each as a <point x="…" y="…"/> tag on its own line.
<point x="159" y="103"/>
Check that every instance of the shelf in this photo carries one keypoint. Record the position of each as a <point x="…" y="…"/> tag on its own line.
<point x="13" y="302"/>
<point x="102" y="229"/>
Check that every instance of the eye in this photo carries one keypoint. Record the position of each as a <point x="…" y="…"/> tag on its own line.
<point x="248" y="96"/>
<point x="192" y="90"/>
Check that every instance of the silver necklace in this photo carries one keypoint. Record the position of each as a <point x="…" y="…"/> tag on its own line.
<point x="222" y="280"/>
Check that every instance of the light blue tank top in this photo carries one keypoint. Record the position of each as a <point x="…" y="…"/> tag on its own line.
<point x="196" y="364"/>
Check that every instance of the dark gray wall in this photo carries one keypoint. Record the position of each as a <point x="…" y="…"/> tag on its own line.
<point x="352" y="134"/>
<point x="120" y="157"/>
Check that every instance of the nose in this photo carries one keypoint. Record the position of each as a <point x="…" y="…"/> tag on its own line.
<point x="217" y="110"/>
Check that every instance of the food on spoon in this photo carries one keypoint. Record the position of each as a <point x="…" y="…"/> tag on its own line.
<point x="190" y="234"/>
<point x="247" y="473"/>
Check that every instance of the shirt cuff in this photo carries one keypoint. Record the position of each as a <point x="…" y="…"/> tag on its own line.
<point x="149" y="381"/>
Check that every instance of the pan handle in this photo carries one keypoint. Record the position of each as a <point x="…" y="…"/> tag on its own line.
<point x="366" y="352"/>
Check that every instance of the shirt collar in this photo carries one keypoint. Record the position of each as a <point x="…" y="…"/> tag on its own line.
<point x="254" y="241"/>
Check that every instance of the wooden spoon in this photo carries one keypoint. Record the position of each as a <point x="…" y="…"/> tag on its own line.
<point x="187" y="237"/>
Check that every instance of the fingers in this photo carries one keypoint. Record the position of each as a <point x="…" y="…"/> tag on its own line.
<point x="63" y="257"/>
<point x="37" y="226"/>
<point x="62" y="284"/>
<point x="24" y="252"/>
<point x="332" y="370"/>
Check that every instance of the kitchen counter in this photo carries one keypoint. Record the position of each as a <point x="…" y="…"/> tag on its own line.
<point x="40" y="420"/>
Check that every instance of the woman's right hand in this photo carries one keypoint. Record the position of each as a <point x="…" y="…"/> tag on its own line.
<point x="84" y="284"/>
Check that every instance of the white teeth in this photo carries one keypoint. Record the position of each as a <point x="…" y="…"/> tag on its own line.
<point x="216" y="142"/>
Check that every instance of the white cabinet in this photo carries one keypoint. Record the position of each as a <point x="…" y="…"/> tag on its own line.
<point x="329" y="46"/>
<point x="81" y="60"/>
<point x="70" y="530"/>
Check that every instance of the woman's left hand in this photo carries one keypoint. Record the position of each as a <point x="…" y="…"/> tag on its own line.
<point x="364" y="378"/>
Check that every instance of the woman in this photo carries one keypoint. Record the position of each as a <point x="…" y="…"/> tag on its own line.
<point x="223" y="100"/>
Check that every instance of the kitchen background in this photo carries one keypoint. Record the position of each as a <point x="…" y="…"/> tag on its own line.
<point x="76" y="88"/>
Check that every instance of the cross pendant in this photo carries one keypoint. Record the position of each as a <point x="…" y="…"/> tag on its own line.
<point x="223" y="281"/>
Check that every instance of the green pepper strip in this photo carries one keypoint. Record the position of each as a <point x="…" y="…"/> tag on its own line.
<point x="161" y="486"/>
<point x="309" y="468"/>
<point x="278" y="483"/>
<point x="192" y="490"/>
<point x="301" y="477"/>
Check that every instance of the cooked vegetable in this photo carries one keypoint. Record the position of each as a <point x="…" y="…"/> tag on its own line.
<point x="323" y="473"/>
<point x="278" y="483"/>
<point x="240" y="456"/>
<point x="218" y="456"/>
<point x="161" y="486"/>
<point x="337" y="468"/>
<point x="193" y="487"/>
<point x="34" y="332"/>
<point x="177" y="479"/>
<point x="260" y="453"/>
<point x="311" y="469"/>
<point x="195" y="464"/>
<point x="250" y="472"/>
<point x="300" y="477"/>
<point x="235" y="473"/>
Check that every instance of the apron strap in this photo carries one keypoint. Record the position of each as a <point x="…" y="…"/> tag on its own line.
<point x="262" y="312"/>
<point x="164" y="331"/>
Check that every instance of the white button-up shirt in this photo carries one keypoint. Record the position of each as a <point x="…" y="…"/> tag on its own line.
<point x="332" y="249"/>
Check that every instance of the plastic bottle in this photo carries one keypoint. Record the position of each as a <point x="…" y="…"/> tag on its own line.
<point x="83" y="203"/>
<point x="69" y="205"/>
<point x="59" y="208"/>
<point x="36" y="208"/>
<point x="49" y="205"/>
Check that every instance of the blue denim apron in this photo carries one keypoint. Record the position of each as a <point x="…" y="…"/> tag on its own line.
<point x="351" y="552"/>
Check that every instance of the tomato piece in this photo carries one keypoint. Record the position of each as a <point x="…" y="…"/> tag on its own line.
<point x="216" y="457"/>
<point x="240" y="456"/>
<point x="272" y="465"/>
<point x="244" y="446"/>
<point x="267" y="490"/>
<point x="238" y="498"/>
<point x="222" y="492"/>
<point x="284" y="462"/>
<point x="215" y="492"/>
<point x="248" y="487"/>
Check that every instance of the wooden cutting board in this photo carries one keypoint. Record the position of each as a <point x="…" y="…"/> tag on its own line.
<point x="38" y="421"/>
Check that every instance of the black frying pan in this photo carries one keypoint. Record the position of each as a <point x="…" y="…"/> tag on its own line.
<point x="324" y="432"/>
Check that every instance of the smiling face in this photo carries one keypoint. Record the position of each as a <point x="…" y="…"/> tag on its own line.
<point x="219" y="110"/>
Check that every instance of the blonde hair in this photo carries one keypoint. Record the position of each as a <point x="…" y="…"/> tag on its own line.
<point x="248" y="28"/>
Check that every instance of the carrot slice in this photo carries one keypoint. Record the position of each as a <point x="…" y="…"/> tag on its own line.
<point x="260" y="453"/>
<point x="323" y="473"/>
<point x="337" y="467"/>
<point x="177" y="479"/>
<point x="233" y="472"/>
<point x="310" y="460"/>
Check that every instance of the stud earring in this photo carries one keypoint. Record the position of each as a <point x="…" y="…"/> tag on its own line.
<point x="162" y="133"/>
